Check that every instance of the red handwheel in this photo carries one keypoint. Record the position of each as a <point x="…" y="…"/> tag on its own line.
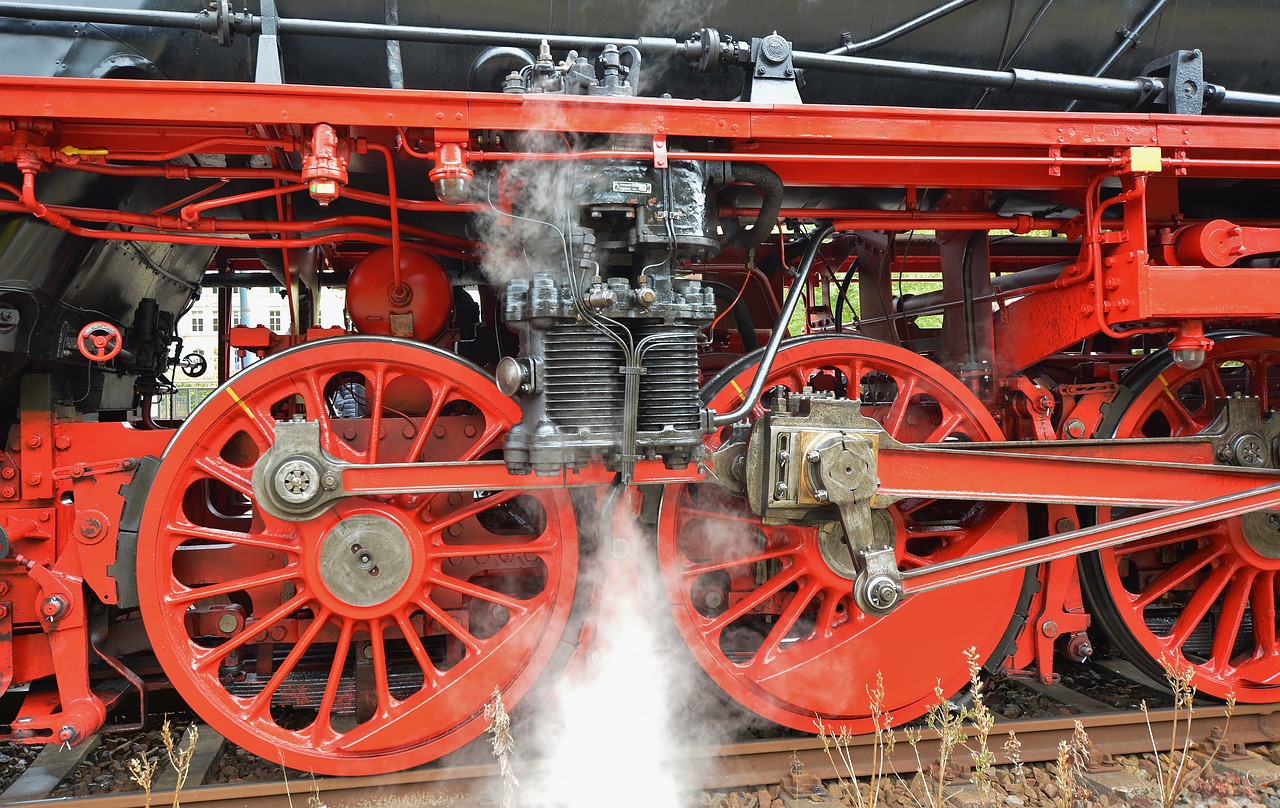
<point x="100" y="341"/>
<point x="370" y="637"/>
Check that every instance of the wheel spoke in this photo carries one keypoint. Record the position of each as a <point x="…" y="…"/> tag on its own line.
<point x="782" y="626"/>
<point x="439" y="523"/>
<point x="693" y="570"/>
<point x="1198" y="606"/>
<point x="440" y="398"/>
<point x="767" y="590"/>
<point x="224" y="472"/>
<point x="1262" y="605"/>
<point x="484" y="441"/>
<point x="261" y="703"/>
<point x="287" y="573"/>
<point x="416" y="648"/>
<point x="540" y="547"/>
<point x="447" y="623"/>
<point x="1165" y="539"/>
<point x="898" y="411"/>
<point x="1211" y="377"/>
<point x="1176" y="575"/>
<point x="746" y="518"/>
<point x="282" y="544"/>
<point x="248" y="632"/>
<point x="1234" y="601"/>
<point x="261" y="426"/>
<point x="1181" y="422"/>
<point x="380" y="677"/>
<point x="332" y="683"/>
<point x="478" y="592"/>
<point x="950" y="423"/>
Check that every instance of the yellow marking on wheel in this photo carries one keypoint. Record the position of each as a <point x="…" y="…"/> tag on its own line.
<point x="741" y="395"/>
<point x="240" y="401"/>
<point x="1167" y="391"/>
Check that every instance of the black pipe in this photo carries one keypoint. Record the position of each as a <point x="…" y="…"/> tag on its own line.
<point x="741" y="315"/>
<point x="850" y="48"/>
<point x="769" y="184"/>
<point x="1128" y="39"/>
<point x="752" y="396"/>
<point x="931" y="302"/>
<point x="395" y="63"/>
<point x="1125" y="92"/>
<point x="966" y="292"/>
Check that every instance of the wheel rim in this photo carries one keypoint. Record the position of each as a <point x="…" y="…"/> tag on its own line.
<point x="768" y="611"/>
<point x="1204" y="597"/>
<point x="369" y="638"/>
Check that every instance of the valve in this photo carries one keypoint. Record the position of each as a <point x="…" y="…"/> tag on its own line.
<point x="325" y="157"/>
<point x="193" y="365"/>
<point x="99" y="341"/>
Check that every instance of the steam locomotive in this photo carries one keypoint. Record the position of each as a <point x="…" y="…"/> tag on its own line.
<point x="913" y="328"/>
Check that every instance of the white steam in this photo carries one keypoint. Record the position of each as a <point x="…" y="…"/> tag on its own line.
<point x="621" y="725"/>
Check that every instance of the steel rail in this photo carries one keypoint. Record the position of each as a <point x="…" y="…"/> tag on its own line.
<point x="741" y="765"/>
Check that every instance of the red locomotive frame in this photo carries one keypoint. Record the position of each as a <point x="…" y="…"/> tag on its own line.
<point x="1150" y="270"/>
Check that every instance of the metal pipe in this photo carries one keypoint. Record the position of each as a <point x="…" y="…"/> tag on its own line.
<point x="907" y="27"/>
<point x="1090" y="88"/>
<point x="395" y="64"/>
<point x="779" y="330"/>
<point x="966" y="293"/>
<point x="929" y="302"/>
<point x="1128" y="39"/>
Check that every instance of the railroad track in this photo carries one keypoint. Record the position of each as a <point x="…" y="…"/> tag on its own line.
<point x="747" y="765"/>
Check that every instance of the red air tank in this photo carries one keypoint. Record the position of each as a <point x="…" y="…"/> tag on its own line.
<point x="418" y="309"/>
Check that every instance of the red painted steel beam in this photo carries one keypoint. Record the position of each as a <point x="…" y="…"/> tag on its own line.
<point x="1208" y="292"/>
<point x="925" y="472"/>
<point x="210" y="104"/>
<point x="1066" y="545"/>
<point x="903" y="471"/>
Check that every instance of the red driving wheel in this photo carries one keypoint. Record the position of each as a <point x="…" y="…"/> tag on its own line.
<point x="1204" y="596"/>
<point x="768" y="611"/>
<point x="368" y="638"/>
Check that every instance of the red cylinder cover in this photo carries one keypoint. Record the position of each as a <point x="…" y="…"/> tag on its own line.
<point x="375" y="308"/>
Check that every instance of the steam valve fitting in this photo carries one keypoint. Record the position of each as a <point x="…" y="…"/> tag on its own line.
<point x="451" y="176"/>
<point x="324" y="163"/>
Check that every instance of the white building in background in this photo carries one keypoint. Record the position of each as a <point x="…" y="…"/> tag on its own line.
<point x="264" y="305"/>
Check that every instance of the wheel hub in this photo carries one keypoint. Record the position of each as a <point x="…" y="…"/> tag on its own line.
<point x="297" y="481"/>
<point x="365" y="560"/>
<point x="1261" y="531"/>
<point x="834" y="545"/>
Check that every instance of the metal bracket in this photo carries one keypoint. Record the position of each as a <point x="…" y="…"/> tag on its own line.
<point x="270" y="63"/>
<point x="774" y="79"/>
<point x="296" y="478"/>
<point x="1182" y="73"/>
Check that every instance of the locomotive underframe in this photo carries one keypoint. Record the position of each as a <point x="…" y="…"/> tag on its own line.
<point x="71" y="517"/>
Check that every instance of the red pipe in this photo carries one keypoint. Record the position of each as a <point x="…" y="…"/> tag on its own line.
<point x="220" y="241"/>
<point x="398" y="290"/>
<point x="191" y="213"/>
<point x="218" y="143"/>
